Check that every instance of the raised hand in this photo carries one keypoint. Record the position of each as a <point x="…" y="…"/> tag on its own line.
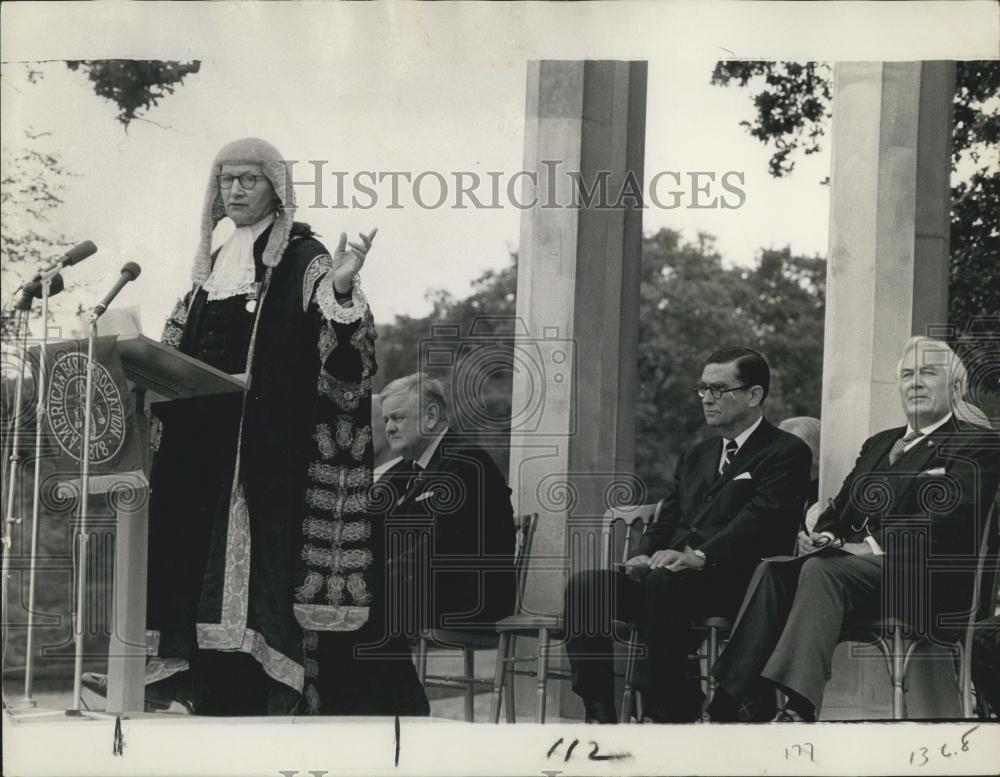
<point x="348" y="263"/>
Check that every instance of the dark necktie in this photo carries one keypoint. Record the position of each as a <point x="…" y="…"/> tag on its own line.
<point x="900" y="445"/>
<point x="415" y="472"/>
<point x="731" y="448"/>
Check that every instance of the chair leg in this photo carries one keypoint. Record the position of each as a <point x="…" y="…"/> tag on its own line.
<point x="713" y="656"/>
<point x="510" y="705"/>
<point x="543" y="674"/>
<point x="628" y="697"/>
<point x="469" y="661"/>
<point x="422" y="659"/>
<point x="965" y="681"/>
<point x="498" y="678"/>
<point x="898" y="708"/>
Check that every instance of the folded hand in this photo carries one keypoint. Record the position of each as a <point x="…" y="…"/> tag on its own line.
<point x="663" y="558"/>
<point x="687" y="560"/>
<point x="636" y="564"/>
<point x="808" y="542"/>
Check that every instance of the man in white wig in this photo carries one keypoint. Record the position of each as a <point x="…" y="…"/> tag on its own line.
<point x="258" y="530"/>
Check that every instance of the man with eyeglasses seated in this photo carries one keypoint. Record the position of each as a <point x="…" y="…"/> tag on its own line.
<point x="903" y="531"/>
<point x="735" y="497"/>
<point x="258" y="533"/>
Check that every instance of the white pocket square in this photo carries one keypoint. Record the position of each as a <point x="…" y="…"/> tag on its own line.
<point x="743" y="476"/>
<point x="932" y="472"/>
<point x="423" y="496"/>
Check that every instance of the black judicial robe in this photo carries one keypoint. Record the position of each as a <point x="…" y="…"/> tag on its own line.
<point x="257" y="520"/>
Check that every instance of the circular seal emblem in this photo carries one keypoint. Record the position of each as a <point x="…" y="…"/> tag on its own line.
<point x="65" y="409"/>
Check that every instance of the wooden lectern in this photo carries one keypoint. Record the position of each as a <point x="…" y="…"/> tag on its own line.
<point x="156" y="373"/>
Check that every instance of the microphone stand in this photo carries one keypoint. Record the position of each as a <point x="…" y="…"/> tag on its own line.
<point x="81" y="585"/>
<point x="84" y="506"/>
<point x="22" y="324"/>
<point x="20" y="329"/>
<point x="29" y="668"/>
<point x="78" y="620"/>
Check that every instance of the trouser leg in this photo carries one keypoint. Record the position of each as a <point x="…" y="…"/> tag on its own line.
<point x="986" y="661"/>
<point x="593" y="598"/>
<point x="757" y="628"/>
<point x="830" y="589"/>
<point x="670" y="601"/>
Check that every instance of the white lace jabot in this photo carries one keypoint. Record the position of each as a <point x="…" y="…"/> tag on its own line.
<point x="234" y="271"/>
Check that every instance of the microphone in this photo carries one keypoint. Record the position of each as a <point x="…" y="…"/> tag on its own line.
<point x="32" y="291"/>
<point x="129" y="273"/>
<point x="76" y="254"/>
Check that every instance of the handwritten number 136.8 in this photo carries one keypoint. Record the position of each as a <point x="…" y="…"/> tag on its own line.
<point x="919" y="757"/>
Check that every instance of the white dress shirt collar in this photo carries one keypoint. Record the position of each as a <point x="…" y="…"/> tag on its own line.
<point x="740" y="439"/>
<point x="743" y="436"/>
<point x="926" y="430"/>
<point x="425" y="457"/>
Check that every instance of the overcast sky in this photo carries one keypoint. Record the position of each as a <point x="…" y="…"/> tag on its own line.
<point x="391" y="87"/>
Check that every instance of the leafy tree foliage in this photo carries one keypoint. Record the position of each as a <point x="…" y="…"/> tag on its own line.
<point x="34" y="177"/>
<point x="793" y="108"/>
<point x="690" y="304"/>
<point x="30" y="193"/>
<point x="134" y="85"/>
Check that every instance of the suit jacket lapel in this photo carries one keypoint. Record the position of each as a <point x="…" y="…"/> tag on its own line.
<point x="915" y="460"/>
<point x="708" y="468"/>
<point x="432" y="466"/>
<point x="752" y="444"/>
<point x="411" y="488"/>
<point x="880" y="453"/>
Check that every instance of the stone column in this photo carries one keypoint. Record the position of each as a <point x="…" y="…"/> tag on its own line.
<point x="887" y="277"/>
<point x="573" y="428"/>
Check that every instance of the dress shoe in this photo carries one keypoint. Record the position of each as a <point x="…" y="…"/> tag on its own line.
<point x="788" y="715"/>
<point x="600" y="711"/>
<point x="757" y="706"/>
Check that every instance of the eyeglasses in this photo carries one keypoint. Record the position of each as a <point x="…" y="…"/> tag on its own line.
<point x="715" y="391"/>
<point x="247" y="180"/>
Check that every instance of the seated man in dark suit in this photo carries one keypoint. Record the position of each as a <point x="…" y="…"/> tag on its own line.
<point x="443" y="515"/>
<point x="908" y="519"/>
<point x="450" y="525"/>
<point x="736" y="497"/>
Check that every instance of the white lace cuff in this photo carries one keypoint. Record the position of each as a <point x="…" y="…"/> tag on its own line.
<point x="332" y="310"/>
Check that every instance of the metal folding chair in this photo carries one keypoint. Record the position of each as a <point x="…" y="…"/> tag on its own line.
<point x="887" y="634"/>
<point x="468" y="642"/>
<point x="545" y="627"/>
